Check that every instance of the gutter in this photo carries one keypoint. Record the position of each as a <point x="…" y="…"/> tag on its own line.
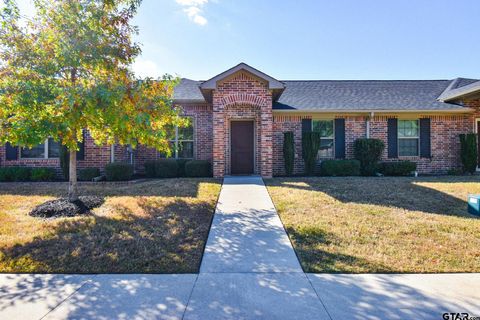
<point x="459" y="110"/>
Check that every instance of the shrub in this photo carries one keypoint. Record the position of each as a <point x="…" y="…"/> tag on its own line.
<point x="88" y="174"/>
<point x="454" y="171"/>
<point x="15" y="174"/>
<point x="181" y="167"/>
<point x="288" y="152"/>
<point x="310" y="146"/>
<point x="198" y="168"/>
<point x="150" y="168"/>
<point x="5" y="174"/>
<point x="118" y="171"/>
<point x="43" y="174"/>
<point x="398" y="168"/>
<point x="368" y="152"/>
<point x="468" y="152"/>
<point x="340" y="168"/>
<point x="166" y="168"/>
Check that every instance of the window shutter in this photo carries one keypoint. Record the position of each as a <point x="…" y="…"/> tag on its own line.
<point x="11" y="152"/>
<point x="339" y="138"/>
<point x="306" y="125"/>
<point x="392" y="139"/>
<point x="425" y="144"/>
<point x="81" y="148"/>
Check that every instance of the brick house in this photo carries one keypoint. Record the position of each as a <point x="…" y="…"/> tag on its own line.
<point x="239" y="116"/>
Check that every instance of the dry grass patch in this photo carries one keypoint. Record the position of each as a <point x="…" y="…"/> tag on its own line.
<point x="151" y="227"/>
<point x="368" y="224"/>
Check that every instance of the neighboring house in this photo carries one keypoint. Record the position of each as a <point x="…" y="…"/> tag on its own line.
<point x="239" y="116"/>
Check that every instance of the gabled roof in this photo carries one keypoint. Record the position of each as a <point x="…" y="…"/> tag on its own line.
<point x="344" y="95"/>
<point x="273" y="84"/>
<point x="460" y="88"/>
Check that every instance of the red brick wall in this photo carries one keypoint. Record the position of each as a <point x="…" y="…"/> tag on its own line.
<point x="242" y="96"/>
<point x="203" y="140"/>
<point x="283" y="124"/>
<point x="95" y="156"/>
<point x="444" y="140"/>
<point x="445" y="143"/>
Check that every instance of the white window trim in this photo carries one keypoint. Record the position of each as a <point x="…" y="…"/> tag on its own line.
<point x="176" y="140"/>
<point x="45" y="153"/>
<point x="327" y="138"/>
<point x="406" y="138"/>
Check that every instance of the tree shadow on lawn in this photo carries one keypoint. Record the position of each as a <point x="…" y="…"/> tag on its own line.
<point x="400" y="192"/>
<point x="165" y="238"/>
<point x="308" y="242"/>
<point x="175" y="187"/>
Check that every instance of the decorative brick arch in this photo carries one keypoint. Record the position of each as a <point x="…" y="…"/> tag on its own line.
<point x="244" y="99"/>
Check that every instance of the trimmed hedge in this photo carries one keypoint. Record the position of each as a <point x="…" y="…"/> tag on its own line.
<point x="118" y="171"/>
<point x="181" y="167"/>
<point x="43" y="174"/>
<point x="340" y="168"/>
<point x="88" y="174"/>
<point x="166" y="168"/>
<point x="368" y="152"/>
<point x="15" y="174"/>
<point x="288" y="152"/>
<point x="397" y="168"/>
<point x="198" y="168"/>
<point x="150" y="168"/>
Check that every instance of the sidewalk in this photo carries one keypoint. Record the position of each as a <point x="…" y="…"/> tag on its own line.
<point x="249" y="271"/>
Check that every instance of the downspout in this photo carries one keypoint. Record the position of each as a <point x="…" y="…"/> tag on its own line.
<point x="372" y="114"/>
<point x="112" y="153"/>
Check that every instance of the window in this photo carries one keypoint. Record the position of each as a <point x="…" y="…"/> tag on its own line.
<point x="48" y="149"/>
<point x="327" y="139"/>
<point x="181" y="141"/>
<point x="408" y="138"/>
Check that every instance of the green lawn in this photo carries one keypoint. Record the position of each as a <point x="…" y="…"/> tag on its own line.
<point x="370" y="224"/>
<point x="156" y="226"/>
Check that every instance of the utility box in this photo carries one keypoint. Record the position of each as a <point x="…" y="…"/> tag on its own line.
<point x="474" y="204"/>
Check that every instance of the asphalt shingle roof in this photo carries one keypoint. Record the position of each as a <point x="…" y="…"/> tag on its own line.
<point x="188" y="90"/>
<point x="349" y="95"/>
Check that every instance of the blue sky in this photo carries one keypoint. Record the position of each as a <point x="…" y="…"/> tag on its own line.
<point x="317" y="39"/>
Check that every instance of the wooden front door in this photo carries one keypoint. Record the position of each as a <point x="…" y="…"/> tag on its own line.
<point x="241" y="148"/>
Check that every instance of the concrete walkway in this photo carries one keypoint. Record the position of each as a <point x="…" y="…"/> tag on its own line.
<point x="249" y="271"/>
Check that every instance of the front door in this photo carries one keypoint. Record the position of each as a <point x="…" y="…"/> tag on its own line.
<point x="241" y="138"/>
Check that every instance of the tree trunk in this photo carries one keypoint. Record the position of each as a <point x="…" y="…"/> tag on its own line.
<point x="72" y="181"/>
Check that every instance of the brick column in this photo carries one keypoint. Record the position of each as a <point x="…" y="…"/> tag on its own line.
<point x="219" y="137"/>
<point x="266" y="141"/>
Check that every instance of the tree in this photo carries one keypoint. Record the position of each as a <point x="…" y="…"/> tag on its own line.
<point x="288" y="152"/>
<point x="68" y="69"/>
<point x="310" y="147"/>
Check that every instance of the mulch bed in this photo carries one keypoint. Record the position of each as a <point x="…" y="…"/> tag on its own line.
<point x="64" y="208"/>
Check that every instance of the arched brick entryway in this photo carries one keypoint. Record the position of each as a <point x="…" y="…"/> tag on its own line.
<point x="242" y="96"/>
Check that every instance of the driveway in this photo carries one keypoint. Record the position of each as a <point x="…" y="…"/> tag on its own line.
<point x="249" y="271"/>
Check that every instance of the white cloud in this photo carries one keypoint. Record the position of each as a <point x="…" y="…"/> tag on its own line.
<point x="193" y="9"/>
<point x="145" y="68"/>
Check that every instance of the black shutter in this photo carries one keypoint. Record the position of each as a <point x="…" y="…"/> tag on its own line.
<point x="392" y="139"/>
<point x="306" y="125"/>
<point x="425" y="145"/>
<point x="11" y="152"/>
<point x="339" y="138"/>
<point x="81" y="148"/>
